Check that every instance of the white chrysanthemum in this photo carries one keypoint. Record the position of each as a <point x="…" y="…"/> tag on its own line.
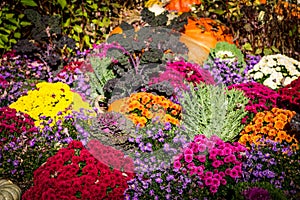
<point x="277" y="78"/>
<point x="225" y="55"/>
<point x="268" y="82"/>
<point x="258" y="75"/>
<point x="267" y="70"/>
<point x="288" y="80"/>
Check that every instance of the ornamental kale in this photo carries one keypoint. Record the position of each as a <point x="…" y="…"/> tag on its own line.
<point x="212" y="109"/>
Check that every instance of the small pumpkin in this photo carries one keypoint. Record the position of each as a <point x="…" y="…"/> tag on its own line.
<point x="116" y="105"/>
<point x="181" y="5"/>
<point x="9" y="191"/>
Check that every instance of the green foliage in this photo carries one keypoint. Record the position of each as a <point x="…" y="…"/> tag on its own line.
<point x="227" y="51"/>
<point x="258" y="29"/>
<point x="210" y="110"/>
<point x="100" y="76"/>
<point x="11" y="24"/>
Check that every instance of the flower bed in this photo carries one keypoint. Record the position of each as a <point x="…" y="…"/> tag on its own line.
<point x="140" y="116"/>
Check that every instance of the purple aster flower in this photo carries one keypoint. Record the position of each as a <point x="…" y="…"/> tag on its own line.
<point x="16" y="163"/>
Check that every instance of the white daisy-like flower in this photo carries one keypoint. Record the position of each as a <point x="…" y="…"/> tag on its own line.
<point x="225" y="55"/>
<point x="258" y="75"/>
<point x="267" y="70"/>
<point x="288" y="80"/>
<point x="156" y="9"/>
<point x="268" y="82"/>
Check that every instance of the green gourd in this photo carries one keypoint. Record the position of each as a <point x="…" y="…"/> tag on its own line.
<point x="9" y="191"/>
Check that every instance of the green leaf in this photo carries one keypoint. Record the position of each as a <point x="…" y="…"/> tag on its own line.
<point x="5" y="30"/>
<point x="23" y="23"/>
<point x="4" y="38"/>
<point x="275" y="49"/>
<point x="67" y="23"/>
<point x="94" y="6"/>
<point x="86" y="39"/>
<point x="17" y="35"/>
<point x="76" y="38"/>
<point x="14" y="21"/>
<point x="20" y="16"/>
<point x="258" y="51"/>
<point x="268" y="51"/>
<point x="219" y="11"/>
<point x="9" y="15"/>
<point x="28" y="3"/>
<point x="13" y="41"/>
<point x="247" y="46"/>
<point x="105" y="22"/>
<point x="62" y="3"/>
<point x="77" y="28"/>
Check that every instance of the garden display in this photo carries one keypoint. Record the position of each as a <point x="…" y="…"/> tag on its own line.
<point x="158" y="99"/>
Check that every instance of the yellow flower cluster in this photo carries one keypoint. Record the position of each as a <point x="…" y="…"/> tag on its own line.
<point x="142" y="107"/>
<point x="269" y="124"/>
<point x="47" y="100"/>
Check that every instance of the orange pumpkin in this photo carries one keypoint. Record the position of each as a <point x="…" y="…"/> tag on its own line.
<point x="181" y="5"/>
<point x="117" y="105"/>
<point x="201" y="35"/>
<point x="208" y="31"/>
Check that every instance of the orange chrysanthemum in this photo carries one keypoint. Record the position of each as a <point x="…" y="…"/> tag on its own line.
<point x="282" y="117"/>
<point x="248" y="128"/>
<point x="281" y="135"/>
<point x="260" y="115"/>
<point x="269" y="118"/>
<point x="259" y="120"/>
<point x="272" y="132"/>
<point x="265" y="130"/>
<point x="279" y="124"/>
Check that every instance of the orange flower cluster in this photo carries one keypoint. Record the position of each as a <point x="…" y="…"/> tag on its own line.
<point x="142" y="107"/>
<point x="269" y="124"/>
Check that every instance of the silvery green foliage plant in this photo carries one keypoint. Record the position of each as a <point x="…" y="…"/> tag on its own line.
<point x="100" y="75"/>
<point x="209" y="110"/>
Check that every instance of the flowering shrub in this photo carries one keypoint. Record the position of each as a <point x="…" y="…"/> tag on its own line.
<point x="141" y="107"/>
<point x="271" y="125"/>
<point x="290" y="96"/>
<point x="19" y="68"/>
<point x="273" y="162"/>
<point x="261" y="97"/>
<point x="178" y="71"/>
<point x="74" y="173"/>
<point x="19" y="75"/>
<point x="216" y="163"/>
<point x="227" y="72"/>
<point x="42" y="102"/>
<point x="155" y="177"/>
<point x="275" y="71"/>
<point x="21" y="150"/>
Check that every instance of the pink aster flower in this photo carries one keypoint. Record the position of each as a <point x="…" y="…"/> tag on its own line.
<point x="188" y="158"/>
<point x="177" y="164"/>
